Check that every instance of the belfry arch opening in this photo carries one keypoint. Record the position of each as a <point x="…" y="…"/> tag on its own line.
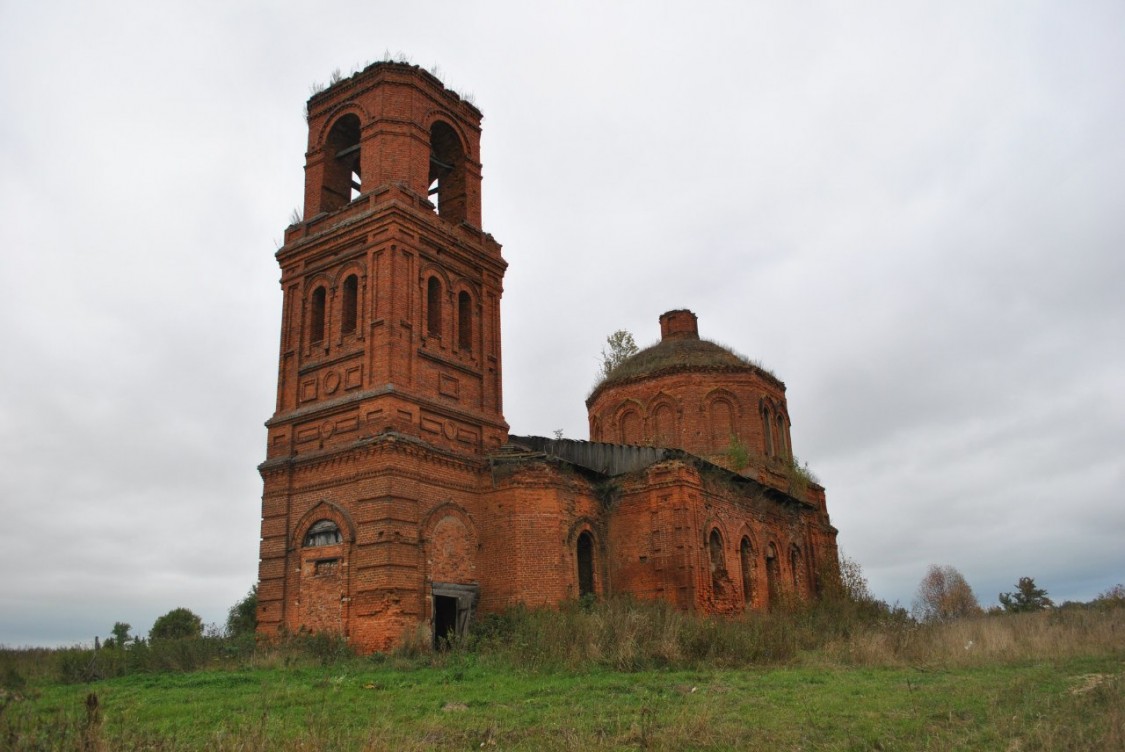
<point x="447" y="186"/>
<point x="342" y="181"/>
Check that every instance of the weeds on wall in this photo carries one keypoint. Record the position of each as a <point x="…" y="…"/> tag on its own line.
<point x="737" y="454"/>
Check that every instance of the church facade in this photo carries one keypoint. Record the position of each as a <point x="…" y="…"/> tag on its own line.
<point x="394" y="498"/>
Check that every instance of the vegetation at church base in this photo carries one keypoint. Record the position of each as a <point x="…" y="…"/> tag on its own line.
<point x="618" y="675"/>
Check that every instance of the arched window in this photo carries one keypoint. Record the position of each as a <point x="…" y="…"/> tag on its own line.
<point x="316" y="320"/>
<point x="781" y="448"/>
<point x="664" y="426"/>
<point x="722" y="424"/>
<point x="585" y="551"/>
<point x="773" y="575"/>
<point x="433" y="308"/>
<point x="350" y="308"/>
<point x="630" y="427"/>
<point x="322" y="533"/>
<point x="447" y="173"/>
<point x="746" y="560"/>
<point x="718" y="565"/>
<point x="341" y="164"/>
<point x="767" y="433"/>
<point x="464" y="321"/>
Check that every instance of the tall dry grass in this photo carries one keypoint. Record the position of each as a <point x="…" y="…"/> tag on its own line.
<point x="982" y="640"/>
<point x="629" y="635"/>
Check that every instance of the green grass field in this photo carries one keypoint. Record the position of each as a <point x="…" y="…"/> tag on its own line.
<point x="1028" y="682"/>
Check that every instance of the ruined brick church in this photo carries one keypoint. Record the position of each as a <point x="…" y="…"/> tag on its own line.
<point x="394" y="497"/>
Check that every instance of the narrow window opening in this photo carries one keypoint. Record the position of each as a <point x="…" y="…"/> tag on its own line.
<point x="585" y="564"/>
<point x="316" y="324"/>
<point x="795" y="565"/>
<point x="746" y="559"/>
<point x="718" y="566"/>
<point x="464" y="321"/>
<point x="350" y="305"/>
<point x="767" y="433"/>
<point x="433" y="308"/>
<point x="773" y="575"/>
<point x="781" y="448"/>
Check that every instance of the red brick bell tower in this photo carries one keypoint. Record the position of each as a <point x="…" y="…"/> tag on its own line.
<point x="389" y="377"/>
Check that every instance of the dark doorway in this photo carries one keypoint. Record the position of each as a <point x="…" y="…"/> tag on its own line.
<point x="454" y="605"/>
<point x="445" y="621"/>
<point x="585" y="564"/>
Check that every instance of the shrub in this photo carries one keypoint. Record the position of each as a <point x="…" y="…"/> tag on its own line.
<point x="176" y="624"/>
<point x="242" y="619"/>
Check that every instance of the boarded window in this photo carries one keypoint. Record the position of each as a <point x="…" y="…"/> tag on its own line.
<point x="322" y="533"/>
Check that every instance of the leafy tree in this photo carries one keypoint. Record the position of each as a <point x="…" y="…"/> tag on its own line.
<point x="943" y="595"/>
<point x="177" y="623"/>
<point x="120" y="633"/>
<point x="1027" y="597"/>
<point x="619" y="347"/>
<point x="242" y="619"/>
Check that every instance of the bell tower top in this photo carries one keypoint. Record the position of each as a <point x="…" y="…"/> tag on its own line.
<point x="393" y="124"/>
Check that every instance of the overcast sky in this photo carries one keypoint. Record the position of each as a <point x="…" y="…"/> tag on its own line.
<point x="913" y="213"/>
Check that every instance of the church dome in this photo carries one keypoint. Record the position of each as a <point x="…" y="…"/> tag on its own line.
<point x="679" y="349"/>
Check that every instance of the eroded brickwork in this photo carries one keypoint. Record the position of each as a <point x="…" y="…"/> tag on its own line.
<point x="393" y="497"/>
